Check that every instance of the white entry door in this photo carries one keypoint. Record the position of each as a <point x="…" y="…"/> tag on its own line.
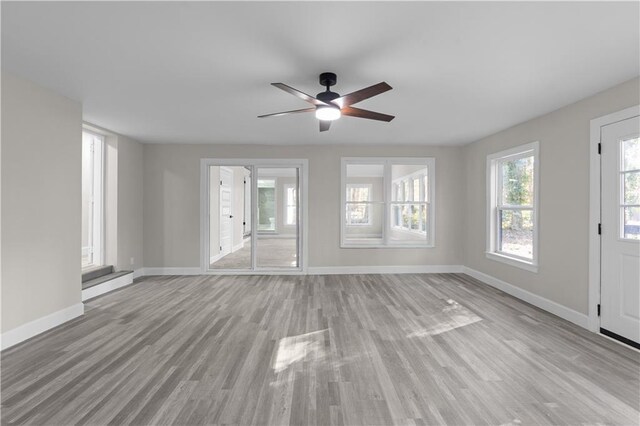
<point x="226" y="211"/>
<point x="620" y="201"/>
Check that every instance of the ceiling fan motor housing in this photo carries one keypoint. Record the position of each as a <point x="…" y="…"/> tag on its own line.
<point x="328" y="79"/>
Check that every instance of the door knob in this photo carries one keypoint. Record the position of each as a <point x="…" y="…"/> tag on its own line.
<point x="230" y="216"/>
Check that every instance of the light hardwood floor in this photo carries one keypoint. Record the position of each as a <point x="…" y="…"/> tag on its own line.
<point x="321" y="350"/>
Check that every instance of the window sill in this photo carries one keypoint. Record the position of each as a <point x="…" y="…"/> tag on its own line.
<point x="388" y="246"/>
<point x="522" y="264"/>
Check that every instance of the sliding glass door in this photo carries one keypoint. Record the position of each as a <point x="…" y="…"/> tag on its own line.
<point x="277" y="236"/>
<point x="252" y="215"/>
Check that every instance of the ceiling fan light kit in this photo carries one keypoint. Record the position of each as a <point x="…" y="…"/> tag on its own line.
<point x="329" y="113"/>
<point x="330" y="106"/>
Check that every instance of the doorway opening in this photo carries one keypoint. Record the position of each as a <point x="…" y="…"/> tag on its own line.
<point x="614" y="275"/>
<point x="252" y="216"/>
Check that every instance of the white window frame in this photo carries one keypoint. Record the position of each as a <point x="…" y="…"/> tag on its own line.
<point x="286" y="204"/>
<point x="97" y="225"/>
<point x="494" y="206"/>
<point x="386" y="162"/>
<point x="367" y="202"/>
<point x="622" y="173"/>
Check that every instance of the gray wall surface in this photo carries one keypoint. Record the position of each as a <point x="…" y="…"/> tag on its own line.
<point x="172" y="200"/>
<point x="41" y="224"/>
<point x="564" y="197"/>
<point x="130" y="195"/>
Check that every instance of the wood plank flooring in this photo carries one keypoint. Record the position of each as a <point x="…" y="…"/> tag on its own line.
<point x="318" y="350"/>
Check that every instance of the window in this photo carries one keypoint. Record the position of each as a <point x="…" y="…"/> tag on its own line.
<point x="358" y="200"/>
<point x="291" y="201"/>
<point x="630" y="185"/>
<point x="387" y="202"/>
<point x="92" y="199"/>
<point x="409" y="206"/>
<point x="513" y="197"/>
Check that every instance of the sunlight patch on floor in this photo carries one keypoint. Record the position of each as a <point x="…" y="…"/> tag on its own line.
<point x="303" y="347"/>
<point x="453" y="316"/>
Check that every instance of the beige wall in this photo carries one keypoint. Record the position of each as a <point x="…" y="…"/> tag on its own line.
<point x="41" y="161"/>
<point x="564" y="197"/>
<point x="129" y="212"/>
<point x="172" y="200"/>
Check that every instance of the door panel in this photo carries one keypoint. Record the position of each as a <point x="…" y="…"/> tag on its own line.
<point x="226" y="212"/>
<point x="620" y="281"/>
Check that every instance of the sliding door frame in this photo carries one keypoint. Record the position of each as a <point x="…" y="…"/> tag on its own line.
<point x="253" y="164"/>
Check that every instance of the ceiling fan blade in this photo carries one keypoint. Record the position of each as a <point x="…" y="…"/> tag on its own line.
<point x="296" y="92"/>
<point x="324" y="125"/>
<point x="362" y="94"/>
<point x="295" y="111"/>
<point x="363" y="113"/>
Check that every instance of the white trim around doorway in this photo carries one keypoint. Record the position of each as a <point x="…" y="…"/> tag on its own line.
<point x="595" y="208"/>
<point x="303" y="227"/>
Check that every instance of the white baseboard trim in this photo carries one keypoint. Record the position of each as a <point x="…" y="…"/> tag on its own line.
<point x="107" y="286"/>
<point x="323" y="270"/>
<point x="538" y="301"/>
<point x="215" y="258"/>
<point x="40" y="325"/>
<point x="237" y="247"/>
<point x="545" y="304"/>
<point x="171" y="271"/>
<point x="138" y="273"/>
<point x="379" y="269"/>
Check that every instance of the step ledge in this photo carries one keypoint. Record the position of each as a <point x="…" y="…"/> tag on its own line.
<point x="107" y="286"/>
<point x="104" y="279"/>
<point x="96" y="272"/>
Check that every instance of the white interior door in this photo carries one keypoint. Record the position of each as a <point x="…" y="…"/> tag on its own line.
<point x="620" y="201"/>
<point x="226" y="211"/>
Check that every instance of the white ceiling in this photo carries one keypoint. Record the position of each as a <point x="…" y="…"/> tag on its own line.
<point x="199" y="72"/>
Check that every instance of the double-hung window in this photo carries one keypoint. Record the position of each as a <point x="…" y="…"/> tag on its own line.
<point x="512" y="228"/>
<point x="358" y="201"/>
<point x="387" y="202"/>
<point x="410" y="203"/>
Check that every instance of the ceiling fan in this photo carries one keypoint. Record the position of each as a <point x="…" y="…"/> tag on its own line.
<point x="330" y="106"/>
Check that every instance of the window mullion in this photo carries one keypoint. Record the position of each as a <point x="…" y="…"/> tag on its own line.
<point x="386" y="206"/>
